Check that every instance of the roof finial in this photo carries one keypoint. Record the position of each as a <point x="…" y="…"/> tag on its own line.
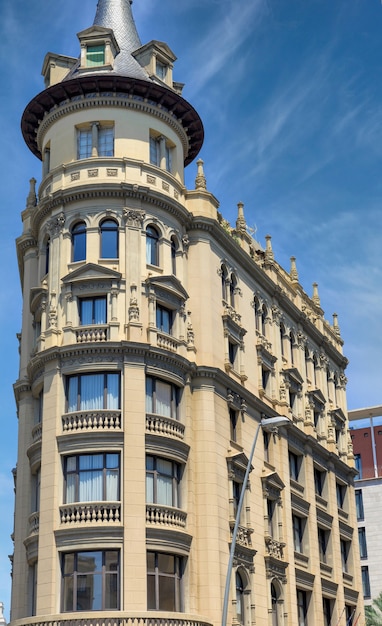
<point x="241" y="224"/>
<point x="269" y="256"/>
<point x="316" y="297"/>
<point x="32" y="198"/>
<point x="336" y="327"/>
<point x="200" y="180"/>
<point x="293" y="270"/>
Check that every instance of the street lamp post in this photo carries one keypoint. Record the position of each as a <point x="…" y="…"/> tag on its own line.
<point x="270" y="423"/>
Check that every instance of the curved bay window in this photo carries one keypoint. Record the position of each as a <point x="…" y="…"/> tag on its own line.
<point x="162" y="398"/>
<point x="164" y="576"/>
<point x="92" y="310"/>
<point x="79" y="242"/>
<point x="152" y="246"/>
<point x="109" y="239"/>
<point x="90" y="580"/>
<point x="87" y="392"/>
<point x="162" y="481"/>
<point x="92" y="477"/>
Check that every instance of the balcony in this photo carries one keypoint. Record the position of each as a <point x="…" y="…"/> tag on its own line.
<point x="34" y="523"/>
<point x="165" y="516"/>
<point x="101" y="420"/>
<point x="274" y="548"/>
<point x="114" y="618"/>
<point x="165" y="426"/>
<point x="243" y="536"/>
<point x="95" y="333"/>
<point x="90" y="513"/>
<point x="167" y="342"/>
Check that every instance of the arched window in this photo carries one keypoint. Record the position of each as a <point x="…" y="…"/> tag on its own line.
<point x="79" y="242"/>
<point x="257" y="309"/>
<point x="282" y="335"/>
<point x="174" y="247"/>
<point x="264" y="315"/>
<point x="224" y="277"/>
<point x="47" y="255"/>
<point x="232" y="290"/>
<point x="109" y="239"/>
<point x="240" y="608"/>
<point x="152" y="246"/>
<point x="274" y="599"/>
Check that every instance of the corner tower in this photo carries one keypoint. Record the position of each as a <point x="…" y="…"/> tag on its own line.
<point x="156" y="341"/>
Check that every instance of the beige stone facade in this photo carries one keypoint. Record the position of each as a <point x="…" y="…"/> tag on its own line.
<point x="155" y="337"/>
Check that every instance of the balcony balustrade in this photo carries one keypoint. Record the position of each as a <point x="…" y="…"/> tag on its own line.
<point x="160" y="515"/>
<point x="90" y="513"/>
<point x="165" y="426"/>
<point x="101" y="420"/>
<point x="120" y="618"/>
<point x="95" y="333"/>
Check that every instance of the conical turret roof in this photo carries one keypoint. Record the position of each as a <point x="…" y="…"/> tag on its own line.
<point x="117" y="15"/>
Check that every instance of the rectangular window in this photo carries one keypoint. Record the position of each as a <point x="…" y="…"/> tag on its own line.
<point x="233" y="350"/>
<point x="161" y="70"/>
<point x="233" y="424"/>
<point x="161" y="398"/>
<point x="341" y="495"/>
<point x="92" y="310"/>
<point x="359" y="504"/>
<point x="302" y="607"/>
<point x="327" y="610"/>
<point x="345" y="551"/>
<point x="271" y="512"/>
<point x="358" y="465"/>
<point x="162" y="481"/>
<point x="319" y="481"/>
<point x="294" y="465"/>
<point x="298" y="533"/>
<point x="323" y="538"/>
<point x="362" y="543"/>
<point x="95" y="55"/>
<point x="365" y="581"/>
<point x="105" y="142"/>
<point x="154" y="151"/>
<point x="164" y="576"/>
<point x="92" y="478"/>
<point x="90" y="580"/>
<point x="164" y="319"/>
<point x="88" y="392"/>
<point x="84" y="144"/>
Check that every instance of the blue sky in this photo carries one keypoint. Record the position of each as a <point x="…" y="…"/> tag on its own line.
<point x="290" y="94"/>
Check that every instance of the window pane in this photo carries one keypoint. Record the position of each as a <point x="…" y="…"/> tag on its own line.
<point x="100" y="311"/>
<point x="164" y="490"/>
<point x="68" y="594"/>
<point x="73" y="394"/>
<point x="109" y="240"/>
<point x="149" y="395"/>
<point x="84" y="144"/>
<point x="106" y="142"/>
<point x="111" y="591"/>
<point x="92" y="392"/>
<point x="79" y="242"/>
<point x="151" y="603"/>
<point x="167" y="594"/>
<point x="150" y="488"/>
<point x="154" y="151"/>
<point x="166" y="563"/>
<point x="112" y="391"/>
<point x="95" y="55"/>
<point x="86" y="312"/>
<point x="163" y="399"/>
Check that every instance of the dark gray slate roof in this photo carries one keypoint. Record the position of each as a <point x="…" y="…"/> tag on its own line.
<point x="117" y="15"/>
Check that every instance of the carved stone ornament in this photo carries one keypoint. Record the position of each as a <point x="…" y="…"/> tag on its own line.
<point x="185" y="242"/>
<point x="52" y="310"/>
<point x="134" y="217"/>
<point x="56" y="225"/>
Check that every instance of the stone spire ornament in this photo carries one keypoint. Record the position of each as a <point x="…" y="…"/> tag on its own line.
<point x="241" y="224"/>
<point x="336" y="327"/>
<point x="32" y="198"/>
<point x="316" y="297"/>
<point x="293" y="270"/>
<point x="269" y="256"/>
<point x="200" y="180"/>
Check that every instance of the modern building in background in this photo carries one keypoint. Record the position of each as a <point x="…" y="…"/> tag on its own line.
<point x="156" y="339"/>
<point x="366" y="435"/>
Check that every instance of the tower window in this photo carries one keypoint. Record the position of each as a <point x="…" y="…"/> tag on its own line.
<point x="92" y="478"/>
<point x="160" y="70"/>
<point x="87" y="392"/>
<point x="95" y="140"/>
<point x="95" y="55"/>
<point x="152" y="246"/>
<point x="79" y="242"/>
<point x="162" y="398"/>
<point x="162" y="481"/>
<point x="90" y="580"/>
<point x="93" y="311"/>
<point x="109" y="239"/>
<point x="164" y="575"/>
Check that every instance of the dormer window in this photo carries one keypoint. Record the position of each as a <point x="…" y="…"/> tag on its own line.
<point x="95" y="55"/>
<point x="161" y="70"/>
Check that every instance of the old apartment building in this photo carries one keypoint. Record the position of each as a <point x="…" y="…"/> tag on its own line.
<point x="157" y="340"/>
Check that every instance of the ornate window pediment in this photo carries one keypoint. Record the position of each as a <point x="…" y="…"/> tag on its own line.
<point x="272" y="484"/>
<point x="317" y="398"/>
<point x="338" y="418"/>
<point x="292" y="375"/>
<point x="157" y="58"/>
<point x="91" y="272"/>
<point x="168" y="286"/>
<point x="237" y="465"/>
